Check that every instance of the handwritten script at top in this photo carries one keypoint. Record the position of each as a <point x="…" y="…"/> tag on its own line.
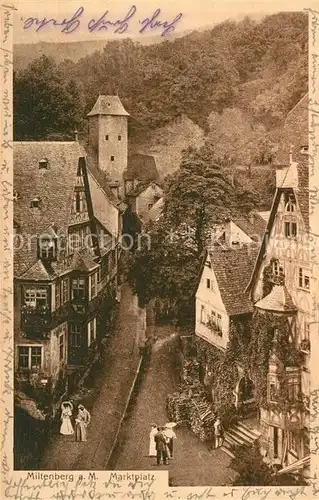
<point x="105" y="22"/>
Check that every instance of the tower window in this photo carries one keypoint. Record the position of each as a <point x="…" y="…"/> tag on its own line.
<point x="112" y="158"/>
<point x="119" y="137"/>
<point x="35" y="203"/>
<point x="44" y="163"/>
<point x="106" y="137"/>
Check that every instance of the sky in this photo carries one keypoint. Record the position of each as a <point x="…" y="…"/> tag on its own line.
<point x="195" y="14"/>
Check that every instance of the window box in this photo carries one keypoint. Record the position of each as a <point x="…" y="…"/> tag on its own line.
<point x="36" y="318"/>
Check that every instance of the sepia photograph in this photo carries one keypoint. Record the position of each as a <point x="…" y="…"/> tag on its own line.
<point x="162" y="246"/>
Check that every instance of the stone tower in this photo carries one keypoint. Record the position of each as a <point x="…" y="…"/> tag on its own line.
<point x="108" y="136"/>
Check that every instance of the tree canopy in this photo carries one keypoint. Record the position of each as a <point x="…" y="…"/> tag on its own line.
<point x="259" y="67"/>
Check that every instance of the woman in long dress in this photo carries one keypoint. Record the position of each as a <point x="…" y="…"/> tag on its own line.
<point x="66" y="413"/>
<point x="82" y="420"/>
<point x="152" y="450"/>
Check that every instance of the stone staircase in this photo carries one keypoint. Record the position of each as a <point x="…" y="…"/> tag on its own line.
<point x="236" y="436"/>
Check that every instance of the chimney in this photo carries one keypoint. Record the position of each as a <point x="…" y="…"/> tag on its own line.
<point x="76" y="135"/>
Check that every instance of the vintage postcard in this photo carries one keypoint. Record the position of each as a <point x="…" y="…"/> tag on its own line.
<point x="159" y="249"/>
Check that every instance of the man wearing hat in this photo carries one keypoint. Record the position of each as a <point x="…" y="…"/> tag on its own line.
<point x="160" y="443"/>
<point x="82" y="420"/>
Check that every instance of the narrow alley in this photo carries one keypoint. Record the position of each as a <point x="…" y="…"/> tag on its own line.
<point x="193" y="463"/>
<point x="122" y="363"/>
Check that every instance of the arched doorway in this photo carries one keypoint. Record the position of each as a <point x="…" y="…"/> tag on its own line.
<point x="244" y="393"/>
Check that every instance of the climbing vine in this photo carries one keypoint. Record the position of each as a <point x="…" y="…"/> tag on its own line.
<point x="252" y="342"/>
<point x="270" y="278"/>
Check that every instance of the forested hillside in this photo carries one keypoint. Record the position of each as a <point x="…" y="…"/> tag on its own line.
<point x="260" y="67"/>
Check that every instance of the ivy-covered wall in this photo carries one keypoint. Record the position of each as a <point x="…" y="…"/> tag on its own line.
<point x="252" y="341"/>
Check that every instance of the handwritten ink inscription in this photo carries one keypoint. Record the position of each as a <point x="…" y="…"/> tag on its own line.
<point x="105" y="22"/>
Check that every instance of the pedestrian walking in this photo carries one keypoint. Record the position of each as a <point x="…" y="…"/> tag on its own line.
<point x="152" y="448"/>
<point x="170" y="436"/>
<point x="82" y="421"/>
<point x="160" y="443"/>
<point x="219" y="433"/>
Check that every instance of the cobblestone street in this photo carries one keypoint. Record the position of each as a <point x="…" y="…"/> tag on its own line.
<point x="122" y="362"/>
<point x="193" y="463"/>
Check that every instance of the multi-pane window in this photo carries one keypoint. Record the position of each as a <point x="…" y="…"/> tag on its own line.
<point x="65" y="290"/>
<point x="94" y="282"/>
<point x="61" y="346"/>
<point x="304" y="279"/>
<point x="290" y="229"/>
<point x="78" y="288"/>
<point x="29" y="357"/>
<point x="36" y="297"/>
<point x="307" y="331"/>
<point x="79" y="203"/>
<point x="277" y="268"/>
<point x="272" y="390"/>
<point x="23" y="357"/>
<point x="76" y="335"/>
<point x="47" y="249"/>
<point x="293" y="443"/>
<point x="91" y="331"/>
<point x="57" y="294"/>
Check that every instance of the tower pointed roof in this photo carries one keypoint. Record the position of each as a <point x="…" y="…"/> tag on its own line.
<point x="278" y="300"/>
<point x="108" y="105"/>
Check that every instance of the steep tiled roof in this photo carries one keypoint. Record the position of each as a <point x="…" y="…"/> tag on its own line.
<point x="233" y="268"/>
<point x="82" y="262"/>
<point x="141" y="167"/>
<point x="54" y="186"/>
<point x="142" y="186"/>
<point x="278" y="300"/>
<point x="294" y="138"/>
<point x="156" y="211"/>
<point x="254" y="225"/>
<point x="38" y="272"/>
<point x="108" y="105"/>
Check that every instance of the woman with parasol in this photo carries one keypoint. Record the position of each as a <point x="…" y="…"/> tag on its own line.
<point x="66" y="413"/>
<point x="170" y="436"/>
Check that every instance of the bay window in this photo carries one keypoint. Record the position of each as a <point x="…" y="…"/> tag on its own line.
<point x="36" y="297"/>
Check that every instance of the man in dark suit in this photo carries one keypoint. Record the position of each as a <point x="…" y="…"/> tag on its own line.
<point x="160" y="444"/>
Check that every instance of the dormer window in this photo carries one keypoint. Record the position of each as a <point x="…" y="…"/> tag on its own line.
<point x="44" y="163"/>
<point x="47" y="249"/>
<point x="35" y="203"/>
<point x="304" y="150"/>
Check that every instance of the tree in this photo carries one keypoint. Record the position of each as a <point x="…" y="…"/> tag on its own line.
<point x="165" y="266"/>
<point x="45" y="103"/>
